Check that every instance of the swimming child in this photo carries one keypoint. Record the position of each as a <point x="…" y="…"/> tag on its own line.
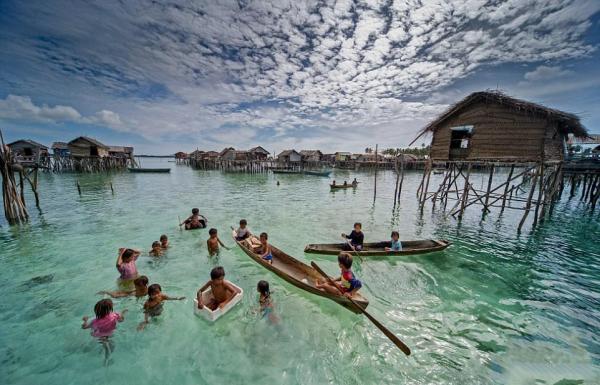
<point x="157" y="249"/>
<point x="141" y="289"/>
<point x="126" y="263"/>
<point x="356" y="238"/>
<point x="222" y="290"/>
<point x="243" y="231"/>
<point x="213" y="242"/>
<point x="104" y="324"/>
<point x="195" y="221"/>
<point x="264" y="249"/>
<point x="265" y="301"/>
<point x="153" y="307"/>
<point x="395" y="244"/>
<point x="164" y="241"/>
<point x="348" y="283"/>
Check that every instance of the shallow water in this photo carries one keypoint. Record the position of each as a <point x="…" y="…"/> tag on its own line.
<point x="495" y="308"/>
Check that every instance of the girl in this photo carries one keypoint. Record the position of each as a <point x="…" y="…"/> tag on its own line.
<point x="157" y="249"/>
<point x="154" y="305"/>
<point x="104" y="324"/>
<point x="395" y="244"/>
<point x="126" y="263"/>
<point x="266" y="304"/>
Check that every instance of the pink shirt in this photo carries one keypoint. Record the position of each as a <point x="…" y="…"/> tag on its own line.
<point x="104" y="327"/>
<point x="128" y="270"/>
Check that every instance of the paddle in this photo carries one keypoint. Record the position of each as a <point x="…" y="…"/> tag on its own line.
<point x="401" y="345"/>
<point x="178" y="217"/>
<point x="353" y="249"/>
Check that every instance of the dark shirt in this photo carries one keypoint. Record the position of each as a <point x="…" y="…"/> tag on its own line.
<point x="356" y="238"/>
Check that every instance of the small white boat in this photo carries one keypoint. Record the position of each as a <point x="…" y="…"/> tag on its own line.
<point x="213" y="315"/>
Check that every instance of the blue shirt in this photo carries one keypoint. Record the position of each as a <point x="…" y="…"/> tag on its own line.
<point x="396" y="245"/>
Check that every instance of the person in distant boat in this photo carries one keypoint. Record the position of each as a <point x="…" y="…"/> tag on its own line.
<point x="104" y="324"/>
<point x="395" y="244"/>
<point x="333" y="183"/>
<point x="153" y="307"/>
<point x="345" y="183"/>
<point x="156" y="250"/>
<point x="348" y="283"/>
<point x="277" y="183"/>
<point x="355" y="238"/>
<point x="164" y="242"/>
<point x="141" y="289"/>
<point x="243" y="232"/>
<point x="354" y="182"/>
<point x="222" y="290"/>
<point x="265" y="302"/>
<point x="195" y="221"/>
<point x="126" y="263"/>
<point x="264" y="249"/>
<point x="213" y="242"/>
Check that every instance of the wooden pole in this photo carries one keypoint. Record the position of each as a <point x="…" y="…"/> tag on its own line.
<point x="375" y="183"/>
<point x="540" y="194"/>
<point x="528" y="205"/>
<point x="397" y="183"/>
<point x="489" y="186"/>
<point x="112" y="189"/>
<point x="401" y="178"/>
<point x="78" y="187"/>
<point x="424" y="191"/>
<point x="512" y="169"/>
<point x="465" y="192"/>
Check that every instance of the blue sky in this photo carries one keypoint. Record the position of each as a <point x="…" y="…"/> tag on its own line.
<point x="334" y="75"/>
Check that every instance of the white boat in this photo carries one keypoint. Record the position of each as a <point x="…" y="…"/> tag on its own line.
<point x="213" y="315"/>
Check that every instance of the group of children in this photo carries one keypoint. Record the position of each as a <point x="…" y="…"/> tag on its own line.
<point x="355" y="240"/>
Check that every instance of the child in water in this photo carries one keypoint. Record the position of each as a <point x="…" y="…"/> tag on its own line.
<point x="154" y="305"/>
<point x="157" y="249"/>
<point x="104" y="324"/>
<point x="222" y="291"/>
<point x="126" y="263"/>
<point x="213" y="242"/>
<point x="265" y="301"/>
<point x="355" y="238"/>
<point x="264" y="249"/>
<point x="194" y="221"/>
<point x="348" y="283"/>
<point x="164" y="242"/>
<point x="395" y="244"/>
<point x="141" y="289"/>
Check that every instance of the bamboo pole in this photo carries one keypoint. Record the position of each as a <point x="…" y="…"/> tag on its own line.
<point x="375" y="183"/>
<point x="465" y="192"/>
<point x="424" y="191"/>
<point x="540" y="194"/>
<point x="528" y="205"/>
<point x="489" y="186"/>
<point x="512" y="169"/>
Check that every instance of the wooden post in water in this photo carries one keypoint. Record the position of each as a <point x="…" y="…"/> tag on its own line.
<point x="401" y="178"/>
<point x="78" y="187"/>
<point x="512" y="169"/>
<point x="397" y="182"/>
<point x="375" y="184"/>
<point x="489" y="186"/>
<point x="540" y="194"/>
<point x="528" y="204"/>
<point x="424" y="191"/>
<point x="112" y="189"/>
<point x="465" y="195"/>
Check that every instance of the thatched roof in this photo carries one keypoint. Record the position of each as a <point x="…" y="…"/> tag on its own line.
<point x="30" y="142"/>
<point x="567" y="123"/>
<point x="92" y="141"/>
<point x="258" y="149"/>
<point x="60" y="146"/>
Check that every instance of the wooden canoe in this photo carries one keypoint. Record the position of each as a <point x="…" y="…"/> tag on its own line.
<point x="300" y="275"/>
<point x="378" y="248"/>
<point x="317" y="173"/>
<point x="275" y="171"/>
<point x="341" y="186"/>
<point x="161" y="170"/>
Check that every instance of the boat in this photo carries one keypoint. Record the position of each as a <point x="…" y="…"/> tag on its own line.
<point x="341" y="186"/>
<point x="154" y="170"/>
<point x="317" y="173"/>
<point x="275" y="171"/>
<point x="378" y="248"/>
<point x="300" y="275"/>
<point x="213" y="315"/>
<point x="438" y="171"/>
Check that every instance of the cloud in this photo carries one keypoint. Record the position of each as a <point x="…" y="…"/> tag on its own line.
<point x="545" y="72"/>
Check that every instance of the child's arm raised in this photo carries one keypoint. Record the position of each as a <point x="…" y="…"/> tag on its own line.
<point x="120" y="257"/>
<point x="117" y="294"/>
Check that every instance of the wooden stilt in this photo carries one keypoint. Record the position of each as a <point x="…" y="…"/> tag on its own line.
<point x="465" y="195"/>
<point x="489" y="186"/>
<point x="424" y="192"/>
<point x="528" y="205"/>
<point x="512" y="169"/>
<point x="78" y="187"/>
<point x="540" y="194"/>
<point x="375" y="184"/>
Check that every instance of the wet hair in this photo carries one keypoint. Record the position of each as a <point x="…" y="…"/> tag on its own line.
<point x="155" y="244"/>
<point x="154" y="289"/>
<point x="195" y="211"/>
<point x="103" y="308"/>
<point x="358" y="224"/>
<point x="395" y="233"/>
<point x="217" y="272"/>
<point x="243" y="222"/>
<point x="164" y="237"/>
<point x="264" y="235"/>
<point x="127" y="255"/>
<point x="263" y="288"/>
<point x="212" y="232"/>
<point x="141" y="281"/>
<point x="345" y="259"/>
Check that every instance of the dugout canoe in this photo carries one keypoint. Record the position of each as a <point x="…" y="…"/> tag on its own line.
<point x="286" y="172"/>
<point x="300" y="275"/>
<point x="341" y="186"/>
<point x="318" y="173"/>
<point x="378" y="248"/>
<point x="154" y="170"/>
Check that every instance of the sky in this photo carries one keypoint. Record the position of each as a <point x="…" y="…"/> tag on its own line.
<point x="177" y="75"/>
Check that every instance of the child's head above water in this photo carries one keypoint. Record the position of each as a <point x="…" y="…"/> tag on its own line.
<point x="141" y="281"/>
<point x="154" y="290"/>
<point x="263" y="287"/>
<point x="357" y="226"/>
<point x="345" y="260"/>
<point x="155" y="244"/>
<point x="195" y="211"/>
<point x="243" y="223"/>
<point x="212" y="232"/>
<point x="164" y="238"/>
<point x="127" y="255"/>
<point x="103" y="308"/>
<point x="217" y="273"/>
<point x="264" y="236"/>
<point x="395" y="235"/>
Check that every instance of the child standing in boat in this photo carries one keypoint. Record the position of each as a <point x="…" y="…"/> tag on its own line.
<point x="348" y="283"/>
<point x="222" y="291"/>
<point x="126" y="264"/>
<point x="213" y="242"/>
<point x="104" y="324"/>
<point x="141" y="289"/>
<point x="356" y="238"/>
<point x="264" y="249"/>
<point x="395" y="244"/>
<point x="154" y="305"/>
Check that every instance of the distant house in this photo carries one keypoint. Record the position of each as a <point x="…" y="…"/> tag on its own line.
<point x="60" y="149"/>
<point x="328" y="158"/>
<point x="241" y="155"/>
<point x="258" y="153"/>
<point x="311" y="155"/>
<point x="181" y="155"/>
<point x="407" y="158"/>
<point x="289" y="156"/>
<point x="120" y="152"/>
<point x="589" y="146"/>
<point x="225" y="150"/>
<point x="228" y="154"/>
<point x="210" y="155"/>
<point x="369" y="158"/>
<point x="84" y="146"/>
<point x="29" y="149"/>
<point x="197" y="154"/>
<point x="342" y="156"/>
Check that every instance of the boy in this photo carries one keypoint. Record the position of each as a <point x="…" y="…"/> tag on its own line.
<point x="242" y="232"/>
<point x="194" y="221"/>
<point x="356" y="238"/>
<point x="156" y="250"/>
<point x="395" y="244"/>
<point x="164" y="242"/>
<point x="213" y="243"/>
<point x="264" y="249"/>
<point x="154" y="305"/>
<point x="141" y="289"/>
<point x="348" y="284"/>
<point x="222" y="291"/>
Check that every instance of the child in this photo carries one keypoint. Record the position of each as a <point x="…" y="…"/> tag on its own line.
<point x="104" y="324"/>
<point x="154" y="305"/>
<point x="395" y="244"/>
<point x="242" y="232"/>
<point x="264" y="249"/>
<point x="195" y="221"/>
<point x="354" y="182"/>
<point x="266" y="304"/>
<point x="164" y="242"/>
<point x="141" y="289"/>
<point x="356" y="238"/>
<point x="213" y="243"/>
<point x="157" y="249"/>
<point x="222" y="291"/>
<point x="348" y="285"/>
<point x="126" y="263"/>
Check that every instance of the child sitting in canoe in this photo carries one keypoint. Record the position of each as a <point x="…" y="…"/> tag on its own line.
<point x="348" y="284"/>
<point x="222" y="290"/>
<point x="156" y="250"/>
<point x="395" y="244"/>
<point x="153" y="307"/>
<point x="195" y="221"/>
<point x="164" y="242"/>
<point x="141" y="289"/>
<point x="265" y="301"/>
<point x="354" y="182"/>
<point x="104" y="324"/>
<point x="264" y="249"/>
<point x="355" y="238"/>
<point x="126" y="264"/>
<point x="243" y="231"/>
<point x="213" y="242"/>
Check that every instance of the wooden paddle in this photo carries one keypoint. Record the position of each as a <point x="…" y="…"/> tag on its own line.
<point x="353" y="249"/>
<point x="178" y="217"/>
<point x="401" y="345"/>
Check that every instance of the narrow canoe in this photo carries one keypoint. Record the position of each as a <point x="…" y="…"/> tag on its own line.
<point x="341" y="186"/>
<point x="378" y="248"/>
<point x="317" y="173"/>
<point x="163" y="170"/>
<point x="286" y="172"/>
<point x="299" y="274"/>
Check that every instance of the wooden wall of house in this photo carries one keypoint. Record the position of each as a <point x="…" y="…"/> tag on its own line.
<point x="500" y="133"/>
<point x="20" y="149"/>
<point x="83" y="150"/>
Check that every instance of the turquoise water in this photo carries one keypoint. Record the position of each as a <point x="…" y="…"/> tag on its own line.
<point x="495" y="308"/>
